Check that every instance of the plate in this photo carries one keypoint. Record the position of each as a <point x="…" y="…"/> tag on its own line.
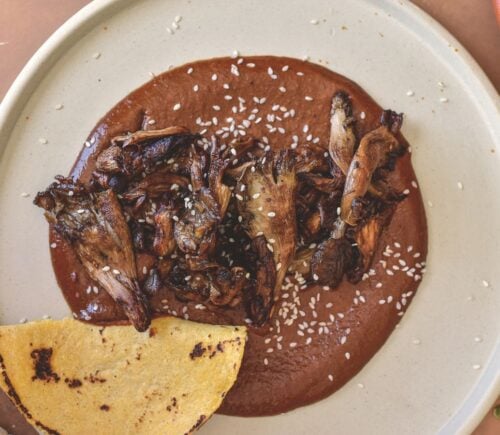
<point x="405" y="61"/>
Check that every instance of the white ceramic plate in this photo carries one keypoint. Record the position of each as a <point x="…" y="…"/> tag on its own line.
<point x="389" y="48"/>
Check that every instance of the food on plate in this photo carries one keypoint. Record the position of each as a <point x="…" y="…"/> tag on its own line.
<point x="67" y="377"/>
<point x="259" y="191"/>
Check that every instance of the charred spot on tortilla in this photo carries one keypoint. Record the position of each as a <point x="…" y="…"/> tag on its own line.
<point x="42" y="366"/>
<point x="73" y="383"/>
<point x="197" y="351"/>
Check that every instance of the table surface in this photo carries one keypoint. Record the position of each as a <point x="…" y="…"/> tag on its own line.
<point x="26" y="24"/>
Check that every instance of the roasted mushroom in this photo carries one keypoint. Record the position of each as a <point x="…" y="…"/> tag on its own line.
<point x="140" y="151"/>
<point x="268" y="210"/>
<point x="330" y="261"/>
<point x="262" y="295"/>
<point x="375" y="150"/>
<point x="342" y="139"/>
<point x="219" y="286"/>
<point x="164" y="242"/>
<point x="195" y="232"/>
<point x="95" y="226"/>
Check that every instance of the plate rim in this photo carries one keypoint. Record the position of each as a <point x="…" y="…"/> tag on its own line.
<point x="480" y="397"/>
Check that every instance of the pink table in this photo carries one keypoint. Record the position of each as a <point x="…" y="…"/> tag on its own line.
<point x="26" y="24"/>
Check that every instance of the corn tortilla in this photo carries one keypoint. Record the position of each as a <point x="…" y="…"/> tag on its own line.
<point x="72" y="378"/>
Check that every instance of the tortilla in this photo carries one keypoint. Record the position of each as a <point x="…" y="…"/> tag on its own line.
<point x="69" y="378"/>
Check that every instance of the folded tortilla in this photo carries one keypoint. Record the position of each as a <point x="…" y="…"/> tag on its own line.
<point x="71" y="378"/>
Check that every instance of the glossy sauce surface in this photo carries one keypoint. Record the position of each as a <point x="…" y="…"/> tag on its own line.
<point x="318" y="338"/>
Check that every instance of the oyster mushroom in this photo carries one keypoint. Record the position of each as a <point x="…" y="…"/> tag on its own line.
<point x="342" y="138"/>
<point x="195" y="232"/>
<point x="268" y="210"/>
<point x="93" y="223"/>
<point x="164" y="242"/>
<point x="330" y="261"/>
<point x="262" y="295"/>
<point x="132" y="154"/>
<point x="375" y="150"/>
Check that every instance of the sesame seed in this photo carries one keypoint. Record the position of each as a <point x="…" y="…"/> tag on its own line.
<point x="23" y="320"/>
<point x="169" y="30"/>
<point x="416" y="341"/>
<point x="406" y="192"/>
<point x="460" y="185"/>
<point x="266" y="362"/>
<point x="308" y="340"/>
<point x="177" y="106"/>
<point x="476" y="366"/>
<point x="43" y="141"/>
<point x="271" y="214"/>
<point x="410" y="93"/>
<point x="25" y="195"/>
<point x="315" y="277"/>
<point x="58" y="106"/>
<point x="360" y="385"/>
<point x="485" y="283"/>
<point x="330" y="377"/>
<point x="214" y="77"/>
<point x="478" y="339"/>
<point x="347" y="355"/>
<point x="106" y="269"/>
<point x="216" y="108"/>
<point x="250" y="65"/>
<point x="293" y="344"/>
<point x="343" y="340"/>
<point x="362" y="115"/>
<point x="96" y="55"/>
<point x="282" y="89"/>
<point x="308" y="98"/>
<point x="53" y="245"/>
<point x="314" y="22"/>
<point x="116" y="271"/>
<point x="235" y="54"/>
<point x="235" y="71"/>
<point x="443" y="100"/>
<point x="175" y="25"/>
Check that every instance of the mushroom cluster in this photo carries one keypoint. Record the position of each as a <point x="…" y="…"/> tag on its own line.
<point x="225" y="224"/>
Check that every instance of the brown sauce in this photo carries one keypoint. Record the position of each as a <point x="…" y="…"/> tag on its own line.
<point x="287" y="363"/>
